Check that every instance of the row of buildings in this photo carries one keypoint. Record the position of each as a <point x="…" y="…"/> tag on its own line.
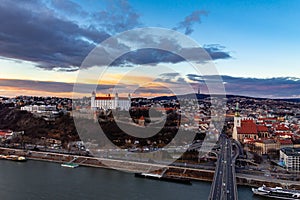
<point x="9" y="134"/>
<point x="268" y="128"/>
<point x="265" y="133"/>
<point x="290" y="158"/>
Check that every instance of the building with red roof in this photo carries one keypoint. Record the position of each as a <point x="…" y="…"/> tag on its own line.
<point x="287" y="134"/>
<point x="248" y="129"/>
<point x="6" y="134"/>
<point x="263" y="131"/>
<point x="141" y="121"/>
<point x="281" y="128"/>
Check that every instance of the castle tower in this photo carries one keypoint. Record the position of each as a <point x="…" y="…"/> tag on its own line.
<point x="237" y="122"/>
<point x="93" y="100"/>
<point x="128" y="106"/>
<point x="117" y="100"/>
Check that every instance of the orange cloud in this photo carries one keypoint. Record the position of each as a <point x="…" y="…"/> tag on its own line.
<point x="16" y="91"/>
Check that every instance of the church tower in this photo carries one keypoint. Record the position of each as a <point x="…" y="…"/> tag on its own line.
<point x="237" y="122"/>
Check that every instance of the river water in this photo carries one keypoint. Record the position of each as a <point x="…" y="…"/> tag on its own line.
<point x="35" y="180"/>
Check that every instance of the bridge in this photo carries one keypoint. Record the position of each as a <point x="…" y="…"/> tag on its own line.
<point x="224" y="183"/>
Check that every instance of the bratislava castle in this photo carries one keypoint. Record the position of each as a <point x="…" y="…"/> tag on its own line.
<point x="109" y="102"/>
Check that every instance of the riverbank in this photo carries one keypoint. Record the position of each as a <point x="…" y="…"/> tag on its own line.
<point x="133" y="166"/>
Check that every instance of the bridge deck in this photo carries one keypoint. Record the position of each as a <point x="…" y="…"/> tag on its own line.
<point x="224" y="183"/>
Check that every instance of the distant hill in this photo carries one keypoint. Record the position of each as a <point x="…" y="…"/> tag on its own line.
<point x="297" y="100"/>
<point x="198" y="96"/>
<point x="229" y="96"/>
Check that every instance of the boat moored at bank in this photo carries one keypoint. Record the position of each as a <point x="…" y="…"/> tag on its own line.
<point x="181" y="180"/>
<point x="70" y="165"/>
<point x="13" y="158"/>
<point x="276" y="193"/>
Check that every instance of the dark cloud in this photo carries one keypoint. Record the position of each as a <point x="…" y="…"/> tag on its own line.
<point x="270" y="87"/>
<point x="216" y="51"/>
<point x="51" y="42"/>
<point x="32" y="31"/>
<point x="118" y="17"/>
<point x="147" y="56"/>
<point x="152" y="56"/>
<point x="170" y="75"/>
<point x="256" y="87"/>
<point x="153" y="90"/>
<point x="55" y="87"/>
<point x="190" y="20"/>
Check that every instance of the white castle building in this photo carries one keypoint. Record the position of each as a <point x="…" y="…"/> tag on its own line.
<point x="109" y="102"/>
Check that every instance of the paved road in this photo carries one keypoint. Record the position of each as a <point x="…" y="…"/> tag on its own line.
<point x="113" y="163"/>
<point x="224" y="183"/>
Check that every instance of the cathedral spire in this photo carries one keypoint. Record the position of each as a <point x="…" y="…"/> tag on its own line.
<point x="237" y="122"/>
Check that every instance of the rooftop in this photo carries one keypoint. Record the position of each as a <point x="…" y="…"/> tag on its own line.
<point x="289" y="151"/>
<point x="266" y="141"/>
<point x="247" y="127"/>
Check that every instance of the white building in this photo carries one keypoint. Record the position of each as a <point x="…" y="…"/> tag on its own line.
<point x="48" y="112"/>
<point x="291" y="158"/>
<point x="37" y="108"/>
<point x="109" y="102"/>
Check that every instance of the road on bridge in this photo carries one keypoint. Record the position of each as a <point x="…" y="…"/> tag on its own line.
<point x="224" y="184"/>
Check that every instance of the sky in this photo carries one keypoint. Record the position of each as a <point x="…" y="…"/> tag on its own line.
<point x="253" y="45"/>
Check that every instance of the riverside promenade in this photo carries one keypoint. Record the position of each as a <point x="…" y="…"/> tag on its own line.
<point x="196" y="174"/>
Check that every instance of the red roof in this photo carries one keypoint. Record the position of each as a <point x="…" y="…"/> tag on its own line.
<point x="111" y="98"/>
<point x="247" y="127"/>
<point x="285" y="141"/>
<point x="104" y="98"/>
<point x="5" y="133"/>
<point x="142" y="118"/>
<point x="295" y="126"/>
<point x="262" y="128"/>
<point x="2" y="133"/>
<point x="282" y="127"/>
<point x="288" y="133"/>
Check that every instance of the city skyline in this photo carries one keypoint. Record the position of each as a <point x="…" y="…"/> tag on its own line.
<point x="253" y="45"/>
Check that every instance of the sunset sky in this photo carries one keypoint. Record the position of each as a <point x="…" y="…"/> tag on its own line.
<point x="254" y="45"/>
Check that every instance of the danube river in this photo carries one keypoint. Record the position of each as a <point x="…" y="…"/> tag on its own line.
<point x="35" y="180"/>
